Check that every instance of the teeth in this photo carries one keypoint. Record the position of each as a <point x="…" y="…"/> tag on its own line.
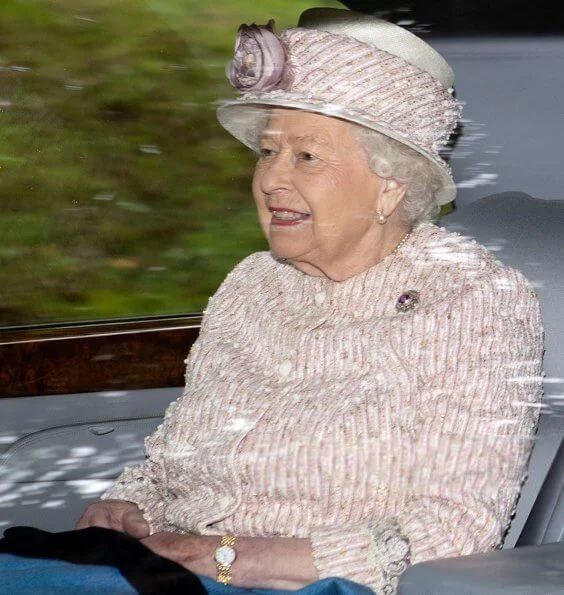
<point x="288" y="215"/>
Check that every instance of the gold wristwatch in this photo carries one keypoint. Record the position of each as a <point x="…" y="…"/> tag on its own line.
<point x="224" y="556"/>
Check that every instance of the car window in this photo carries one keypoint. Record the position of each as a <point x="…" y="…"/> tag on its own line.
<point x="120" y="194"/>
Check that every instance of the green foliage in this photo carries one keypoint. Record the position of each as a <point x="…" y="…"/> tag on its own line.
<point x="120" y="195"/>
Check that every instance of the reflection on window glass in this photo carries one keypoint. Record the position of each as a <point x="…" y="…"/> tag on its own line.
<point x="120" y="195"/>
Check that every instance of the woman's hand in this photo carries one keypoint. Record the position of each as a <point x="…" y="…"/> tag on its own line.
<point x="263" y="562"/>
<point x="194" y="552"/>
<point x="115" y="514"/>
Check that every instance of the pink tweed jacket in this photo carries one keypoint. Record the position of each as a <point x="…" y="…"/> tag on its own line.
<point x="319" y="409"/>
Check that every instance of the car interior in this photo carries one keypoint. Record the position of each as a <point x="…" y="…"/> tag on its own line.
<point x="77" y="398"/>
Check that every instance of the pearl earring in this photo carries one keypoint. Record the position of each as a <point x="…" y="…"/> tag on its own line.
<point x="381" y="218"/>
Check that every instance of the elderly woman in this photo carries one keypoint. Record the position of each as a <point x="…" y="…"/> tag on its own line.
<point x="363" y="396"/>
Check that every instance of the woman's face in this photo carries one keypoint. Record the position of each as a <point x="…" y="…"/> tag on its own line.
<point x="317" y="196"/>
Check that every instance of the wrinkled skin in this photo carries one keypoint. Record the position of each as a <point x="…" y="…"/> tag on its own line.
<point x="267" y="562"/>
<point x="115" y="514"/>
<point x="313" y="165"/>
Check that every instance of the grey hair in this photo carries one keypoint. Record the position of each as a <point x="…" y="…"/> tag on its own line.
<point x="389" y="158"/>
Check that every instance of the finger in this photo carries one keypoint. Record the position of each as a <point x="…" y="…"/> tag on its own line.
<point x="135" y="525"/>
<point x="104" y="515"/>
<point x="82" y="523"/>
<point x="94" y="518"/>
<point x="85" y="520"/>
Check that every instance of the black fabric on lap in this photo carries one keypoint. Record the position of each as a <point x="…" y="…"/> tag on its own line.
<point x="147" y="572"/>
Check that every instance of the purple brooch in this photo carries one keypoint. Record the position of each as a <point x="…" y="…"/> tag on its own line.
<point x="407" y="300"/>
<point x="260" y="59"/>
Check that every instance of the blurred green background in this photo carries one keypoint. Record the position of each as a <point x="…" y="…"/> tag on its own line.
<point x="120" y="195"/>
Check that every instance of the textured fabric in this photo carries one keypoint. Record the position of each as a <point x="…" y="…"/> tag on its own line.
<point x="342" y="77"/>
<point x="381" y="34"/>
<point x="341" y="71"/>
<point x="317" y="409"/>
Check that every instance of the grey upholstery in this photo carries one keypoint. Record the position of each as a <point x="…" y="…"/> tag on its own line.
<point x="521" y="571"/>
<point x="528" y="234"/>
<point x="61" y="452"/>
<point x="545" y="523"/>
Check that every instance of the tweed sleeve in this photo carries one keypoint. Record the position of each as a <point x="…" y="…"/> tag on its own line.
<point x="144" y="484"/>
<point x="472" y="434"/>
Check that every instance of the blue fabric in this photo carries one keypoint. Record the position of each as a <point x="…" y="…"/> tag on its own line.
<point x="326" y="586"/>
<point x="31" y="576"/>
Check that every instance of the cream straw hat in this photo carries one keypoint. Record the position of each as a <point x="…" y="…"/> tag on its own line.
<point x="349" y="66"/>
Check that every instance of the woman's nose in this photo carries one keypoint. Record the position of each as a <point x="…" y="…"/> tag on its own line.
<point x="276" y="174"/>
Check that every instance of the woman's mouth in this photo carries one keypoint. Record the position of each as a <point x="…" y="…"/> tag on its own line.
<point x="287" y="217"/>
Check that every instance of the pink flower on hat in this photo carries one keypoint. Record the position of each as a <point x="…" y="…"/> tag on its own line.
<point x="259" y="60"/>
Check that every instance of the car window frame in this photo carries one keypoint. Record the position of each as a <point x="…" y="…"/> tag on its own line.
<point x="111" y="355"/>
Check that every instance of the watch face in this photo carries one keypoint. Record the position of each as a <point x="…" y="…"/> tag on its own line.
<point x="225" y="554"/>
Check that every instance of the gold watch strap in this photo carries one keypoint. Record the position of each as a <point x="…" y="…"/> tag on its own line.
<point x="224" y="570"/>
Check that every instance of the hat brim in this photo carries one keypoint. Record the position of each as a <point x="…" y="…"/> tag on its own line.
<point x="244" y="119"/>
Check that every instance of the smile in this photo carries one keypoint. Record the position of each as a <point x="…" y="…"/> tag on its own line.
<point x="287" y="217"/>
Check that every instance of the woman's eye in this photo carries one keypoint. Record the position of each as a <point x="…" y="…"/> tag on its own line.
<point x="266" y="152"/>
<point x="305" y="156"/>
